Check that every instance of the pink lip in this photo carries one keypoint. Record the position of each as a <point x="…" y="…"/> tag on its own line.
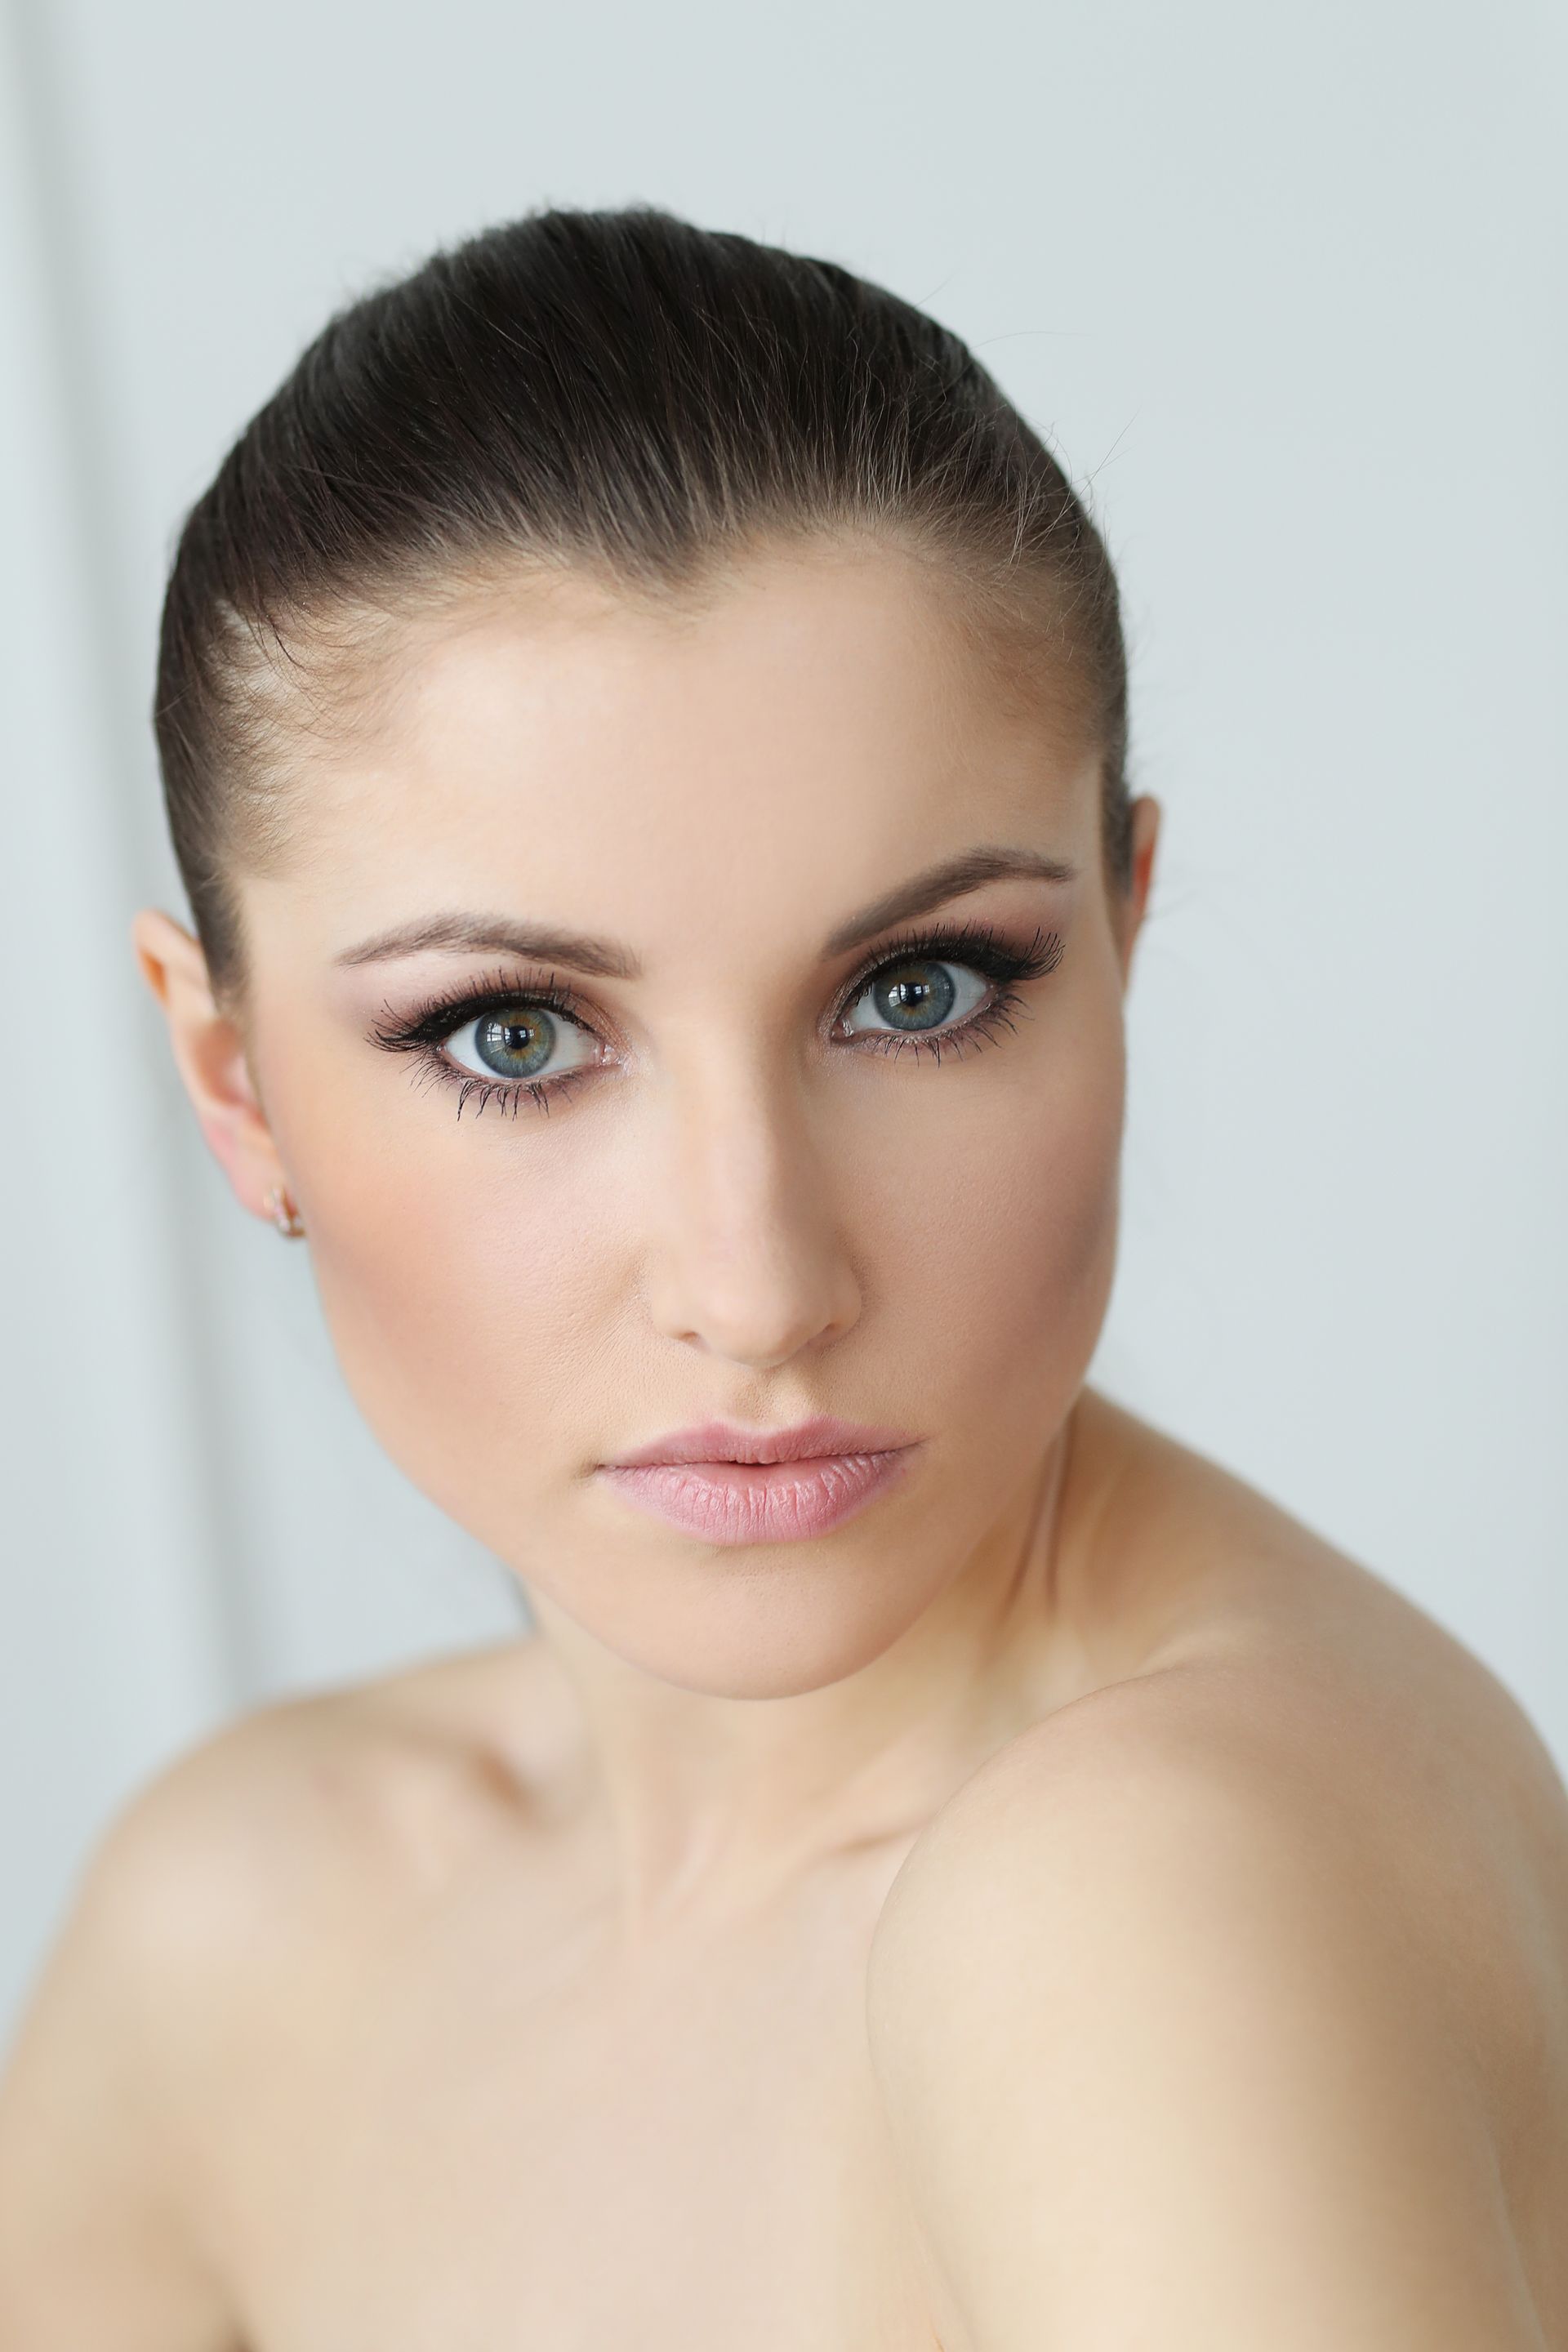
<point x="729" y="1484"/>
<point x="731" y="1440"/>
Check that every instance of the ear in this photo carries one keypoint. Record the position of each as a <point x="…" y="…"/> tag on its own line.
<point x="1132" y="908"/>
<point x="209" y="1052"/>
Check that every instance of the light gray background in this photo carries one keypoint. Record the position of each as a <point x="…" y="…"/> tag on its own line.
<point x="1285" y="286"/>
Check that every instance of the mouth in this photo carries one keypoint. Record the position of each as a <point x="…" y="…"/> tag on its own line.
<point x="823" y="1436"/>
<point x="727" y="1484"/>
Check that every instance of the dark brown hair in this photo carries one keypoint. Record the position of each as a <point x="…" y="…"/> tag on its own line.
<point x="619" y="392"/>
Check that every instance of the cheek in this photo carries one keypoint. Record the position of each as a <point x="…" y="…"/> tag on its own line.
<point x="1004" y="1251"/>
<point x="464" y="1279"/>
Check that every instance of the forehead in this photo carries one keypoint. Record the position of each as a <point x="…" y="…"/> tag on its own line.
<point x="565" y="748"/>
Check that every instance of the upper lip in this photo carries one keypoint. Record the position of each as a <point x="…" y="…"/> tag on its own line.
<point x="731" y="1440"/>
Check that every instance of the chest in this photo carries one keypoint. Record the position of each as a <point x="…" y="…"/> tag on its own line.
<point x="562" y="2157"/>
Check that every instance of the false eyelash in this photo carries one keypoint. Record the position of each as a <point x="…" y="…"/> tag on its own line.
<point x="975" y="944"/>
<point x="437" y="1016"/>
<point x="424" y="1030"/>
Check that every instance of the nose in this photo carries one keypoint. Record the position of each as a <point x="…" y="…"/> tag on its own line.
<point x="745" y="1255"/>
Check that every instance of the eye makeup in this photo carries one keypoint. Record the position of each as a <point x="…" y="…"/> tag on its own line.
<point x="975" y="947"/>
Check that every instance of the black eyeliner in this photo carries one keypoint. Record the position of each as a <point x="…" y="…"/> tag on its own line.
<point x="979" y="946"/>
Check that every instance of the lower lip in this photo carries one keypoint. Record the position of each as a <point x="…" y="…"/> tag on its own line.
<point x="760" y="1502"/>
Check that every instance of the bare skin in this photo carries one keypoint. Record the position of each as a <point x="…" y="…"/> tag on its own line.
<point x="587" y="1990"/>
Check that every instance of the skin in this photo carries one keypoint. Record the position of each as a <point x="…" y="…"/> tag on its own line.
<point x="836" y="1944"/>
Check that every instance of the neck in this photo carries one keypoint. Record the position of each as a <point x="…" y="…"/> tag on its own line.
<point x="713" y="1803"/>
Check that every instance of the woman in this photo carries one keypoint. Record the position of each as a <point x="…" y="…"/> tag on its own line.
<point x="643" y="726"/>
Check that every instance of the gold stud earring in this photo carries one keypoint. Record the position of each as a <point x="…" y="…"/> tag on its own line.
<point x="283" y="1213"/>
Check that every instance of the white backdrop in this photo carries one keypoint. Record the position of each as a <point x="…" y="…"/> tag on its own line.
<point x="1285" y="286"/>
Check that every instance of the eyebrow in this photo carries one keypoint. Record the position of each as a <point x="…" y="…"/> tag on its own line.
<point x="465" y="934"/>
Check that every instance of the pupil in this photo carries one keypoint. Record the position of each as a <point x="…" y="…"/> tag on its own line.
<point x="919" y="1002"/>
<point x="516" y="1049"/>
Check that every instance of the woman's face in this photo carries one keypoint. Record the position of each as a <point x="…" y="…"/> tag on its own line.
<point x="775" y="1171"/>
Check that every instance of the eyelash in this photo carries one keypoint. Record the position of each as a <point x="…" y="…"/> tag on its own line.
<point x="976" y="946"/>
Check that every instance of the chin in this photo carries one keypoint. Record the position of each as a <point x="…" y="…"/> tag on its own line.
<point x="770" y="1623"/>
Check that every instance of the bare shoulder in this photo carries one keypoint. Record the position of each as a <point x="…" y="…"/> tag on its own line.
<point x="1167" y="2056"/>
<point x="275" y="1838"/>
<point x="1241" y="1984"/>
<point x="227" y="1900"/>
<point x="277" y="1824"/>
<point x="344" y="1800"/>
<point x="1283" y="1646"/>
<point x="115" y="2072"/>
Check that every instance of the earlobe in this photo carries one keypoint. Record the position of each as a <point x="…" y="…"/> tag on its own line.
<point x="209" y="1053"/>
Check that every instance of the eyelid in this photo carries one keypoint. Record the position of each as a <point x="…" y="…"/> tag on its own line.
<point x="438" y="1017"/>
<point x="465" y="1002"/>
<point x="978" y="944"/>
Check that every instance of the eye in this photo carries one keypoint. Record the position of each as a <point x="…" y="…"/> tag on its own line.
<point x="916" y="995"/>
<point x="510" y="1041"/>
<point x="944" y="991"/>
<point x="519" y="1044"/>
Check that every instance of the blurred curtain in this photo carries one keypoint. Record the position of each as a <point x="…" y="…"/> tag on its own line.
<point x="120" y="1638"/>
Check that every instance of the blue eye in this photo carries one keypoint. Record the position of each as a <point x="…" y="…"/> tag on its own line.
<point x="515" y="1043"/>
<point x="918" y="994"/>
<point x="529" y="1042"/>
